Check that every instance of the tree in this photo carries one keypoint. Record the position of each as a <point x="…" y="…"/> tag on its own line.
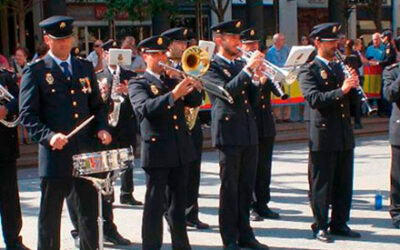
<point x="374" y="10"/>
<point x="219" y="7"/>
<point x="21" y="8"/>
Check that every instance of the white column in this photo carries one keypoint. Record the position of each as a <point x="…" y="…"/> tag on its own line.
<point x="352" y="24"/>
<point x="288" y="21"/>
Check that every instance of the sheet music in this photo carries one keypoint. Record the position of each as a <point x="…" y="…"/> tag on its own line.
<point x="298" y="55"/>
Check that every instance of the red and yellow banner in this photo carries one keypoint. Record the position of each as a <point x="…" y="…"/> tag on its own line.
<point x="372" y="81"/>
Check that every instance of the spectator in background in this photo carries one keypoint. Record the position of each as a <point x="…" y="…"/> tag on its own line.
<point x="19" y="61"/>
<point x="277" y="55"/>
<point x="96" y="54"/>
<point x="138" y="65"/>
<point x="375" y="51"/>
<point x="4" y="62"/>
<point x="41" y="51"/>
<point x="304" y="41"/>
<point x="353" y="60"/>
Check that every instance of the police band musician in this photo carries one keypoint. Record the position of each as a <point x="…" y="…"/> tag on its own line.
<point x="57" y="94"/>
<point x="178" y="44"/>
<point x="167" y="148"/>
<point x="234" y="134"/>
<point x="331" y="144"/>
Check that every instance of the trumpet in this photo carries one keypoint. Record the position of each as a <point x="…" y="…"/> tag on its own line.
<point x="360" y="90"/>
<point x="274" y="73"/>
<point x="195" y="63"/>
<point x="118" y="99"/>
<point x="6" y="97"/>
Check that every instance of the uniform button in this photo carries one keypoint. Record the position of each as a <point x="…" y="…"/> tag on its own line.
<point x="341" y="105"/>
<point x="338" y="85"/>
<point x="227" y="118"/>
<point x="323" y="125"/>
<point x="263" y="106"/>
<point x="175" y="117"/>
<point x="343" y="116"/>
<point x="337" y="98"/>
<point x="245" y="83"/>
<point x="168" y="107"/>
<point x="247" y="110"/>
<point x="243" y="92"/>
<point x="153" y="139"/>
<point x="262" y="97"/>
<point x="326" y="83"/>
<point x="176" y="127"/>
<point x="72" y="91"/>
<point x="245" y="101"/>
<point x="76" y="116"/>
<point x="397" y="121"/>
<point x="74" y="103"/>
<point x="53" y="91"/>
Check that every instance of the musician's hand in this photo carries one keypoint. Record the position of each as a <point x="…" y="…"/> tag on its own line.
<point x="104" y="137"/>
<point x="122" y="89"/>
<point x="173" y="74"/>
<point x="183" y="88"/>
<point x="196" y="84"/>
<point x="373" y="62"/>
<point x="259" y="77"/>
<point x="256" y="60"/>
<point x="58" y="141"/>
<point x="349" y="83"/>
<point x="3" y="112"/>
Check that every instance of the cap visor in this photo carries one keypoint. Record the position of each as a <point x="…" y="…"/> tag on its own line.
<point x="328" y="39"/>
<point x="250" y="41"/>
<point x="59" y="38"/>
<point x="153" y="50"/>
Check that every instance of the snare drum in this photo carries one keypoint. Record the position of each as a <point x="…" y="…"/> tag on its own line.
<point x="102" y="162"/>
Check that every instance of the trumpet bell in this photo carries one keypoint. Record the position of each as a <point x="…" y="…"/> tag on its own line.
<point x="195" y="61"/>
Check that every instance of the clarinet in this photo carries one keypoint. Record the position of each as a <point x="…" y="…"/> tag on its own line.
<point x="360" y="90"/>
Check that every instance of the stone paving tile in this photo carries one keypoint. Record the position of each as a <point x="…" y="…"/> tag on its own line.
<point x="289" y="197"/>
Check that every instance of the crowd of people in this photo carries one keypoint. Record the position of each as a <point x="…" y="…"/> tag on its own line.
<point x="58" y="90"/>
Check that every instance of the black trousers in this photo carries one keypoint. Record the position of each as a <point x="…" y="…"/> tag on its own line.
<point x="262" y="192"/>
<point x="10" y="208"/>
<point x="84" y="198"/>
<point x="127" y="185"/>
<point x="158" y="180"/>
<point x="331" y="182"/>
<point x="237" y="172"/>
<point x="192" y="205"/>
<point x="394" y="208"/>
<point x="108" y="216"/>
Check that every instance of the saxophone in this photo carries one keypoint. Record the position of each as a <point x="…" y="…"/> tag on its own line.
<point x="117" y="99"/>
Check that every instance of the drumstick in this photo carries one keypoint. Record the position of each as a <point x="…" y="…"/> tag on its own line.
<point x="81" y="126"/>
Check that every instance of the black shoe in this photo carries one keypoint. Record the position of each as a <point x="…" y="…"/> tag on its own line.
<point x="18" y="245"/>
<point x="323" y="236"/>
<point x="116" y="239"/>
<point x="128" y="199"/>
<point x="253" y="244"/>
<point x="396" y="224"/>
<point x="344" y="231"/>
<point x="267" y="213"/>
<point x="231" y="246"/>
<point x="197" y="224"/>
<point x="254" y="216"/>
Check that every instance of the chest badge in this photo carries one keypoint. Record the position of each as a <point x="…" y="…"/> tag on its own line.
<point x="85" y="83"/>
<point x="49" y="79"/>
<point x="324" y="75"/>
<point x="227" y="73"/>
<point x="154" y="89"/>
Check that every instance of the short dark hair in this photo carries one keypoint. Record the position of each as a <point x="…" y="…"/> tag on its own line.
<point x="24" y="50"/>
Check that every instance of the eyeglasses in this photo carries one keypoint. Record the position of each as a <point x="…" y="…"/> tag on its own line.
<point x="97" y="45"/>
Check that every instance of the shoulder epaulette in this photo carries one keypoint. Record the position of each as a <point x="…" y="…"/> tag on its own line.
<point x="83" y="59"/>
<point x="37" y="61"/>
<point x="99" y="71"/>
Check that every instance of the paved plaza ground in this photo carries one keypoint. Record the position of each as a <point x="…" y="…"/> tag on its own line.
<point x="289" y="197"/>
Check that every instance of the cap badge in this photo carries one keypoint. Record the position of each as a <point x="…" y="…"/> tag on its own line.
<point x="160" y="41"/>
<point x="334" y="29"/>
<point x="49" y="78"/>
<point x="63" y="25"/>
<point x="252" y="32"/>
<point x="238" y="24"/>
<point x="154" y="89"/>
<point x="185" y="31"/>
<point x="227" y="73"/>
<point x="77" y="51"/>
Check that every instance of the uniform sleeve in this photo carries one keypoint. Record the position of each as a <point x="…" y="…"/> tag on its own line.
<point x="389" y="58"/>
<point x="391" y="86"/>
<point x="194" y="99"/>
<point x="29" y="106"/>
<point x="96" y="105"/>
<point x="145" y="105"/>
<point x="12" y="86"/>
<point x="316" y="98"/>
<point x="234" y="86"/>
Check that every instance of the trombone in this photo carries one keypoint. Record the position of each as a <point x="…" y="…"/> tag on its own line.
<point x="274" y="73"/>
<point x="5" y="96"/>
<point x="195" y="63"/>
<point x="360" y="90"/>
